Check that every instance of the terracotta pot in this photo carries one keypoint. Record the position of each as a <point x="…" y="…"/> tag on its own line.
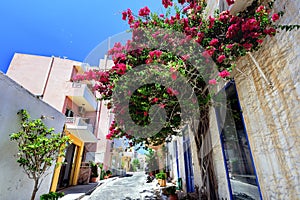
<point x="158" y="181"/>
<point x="94" y="179"/>
<point x="173" y="197"/>
<point x="162" y="182"/>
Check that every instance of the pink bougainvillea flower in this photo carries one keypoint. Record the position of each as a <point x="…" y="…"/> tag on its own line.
<point x="230" y="2"/>
<point x="259" y="41"/>
<point x="155" y="53"/>
<point x="212" y="82"/>
<point x="211" y="21"/>
<point x="229" y="46"/>
<point x="172" y="69"/>
<point x="124" y="15"/>
<point x="167" y="3"/>
<point x="154" y="100"/>
<point x="145" y="114"/>
<point x="185" y="57"/>
<point x="172" y="92"/>
<point x="214" y="42"/>
<point x="260" y="8"/>
<point x="120" y="68"/>
<point x="162" y="105"/>
<point x="208" y="53"/>
<point x="275" y="17"/>
<point x="200" y="37"/>
<point x="247" y="46"/>
<point x="174" y="76"/>
<point x="270" y="31"/>
<point x="224" y="73"/>
<point x="221" y="58"/>
<point x="232" y="30"/>
<point x="144" y="11"/>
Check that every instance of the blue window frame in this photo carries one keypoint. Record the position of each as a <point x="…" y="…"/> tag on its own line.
<point x="241" y="174"/>
<point x="188" y="163"/>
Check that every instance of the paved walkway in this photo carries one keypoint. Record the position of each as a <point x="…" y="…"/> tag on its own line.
<point x="80" y="191"/>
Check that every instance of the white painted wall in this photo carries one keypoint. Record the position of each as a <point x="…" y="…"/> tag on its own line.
<point x="14" y="183"/>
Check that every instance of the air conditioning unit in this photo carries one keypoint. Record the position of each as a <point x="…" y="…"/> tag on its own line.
<point x="81" y="110"/>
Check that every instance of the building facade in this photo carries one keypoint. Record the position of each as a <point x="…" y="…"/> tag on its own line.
<point x="14" y="183"/>
<point x="87" y="120"/>
<point x="251" y="151"/>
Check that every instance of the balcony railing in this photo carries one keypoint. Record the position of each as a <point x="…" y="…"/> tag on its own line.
<point x="79" y="123"/>
<point x="81" y="93"/>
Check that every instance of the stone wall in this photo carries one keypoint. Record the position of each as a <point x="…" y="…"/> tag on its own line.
<point x="272" y="114"/>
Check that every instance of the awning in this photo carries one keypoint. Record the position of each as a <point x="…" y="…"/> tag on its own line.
<point x="83" y="134"/>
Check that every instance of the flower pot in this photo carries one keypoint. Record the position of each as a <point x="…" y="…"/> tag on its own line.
<point x="173" y="197"/>
<point x="162" y="182"/>
<point x="94" y="179"/>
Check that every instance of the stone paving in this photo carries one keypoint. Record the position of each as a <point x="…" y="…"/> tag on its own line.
<point x="127" y="188"/>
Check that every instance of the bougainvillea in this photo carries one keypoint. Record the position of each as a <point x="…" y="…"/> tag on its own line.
<point x="186" y="43"/>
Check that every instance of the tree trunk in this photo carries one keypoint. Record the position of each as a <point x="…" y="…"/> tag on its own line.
<point x="209" y="189"/>
<point x="35" y="189"/>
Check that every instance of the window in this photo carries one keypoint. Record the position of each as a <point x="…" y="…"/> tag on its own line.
<point x="69" y="113"/>
<point x="239" y="164"/>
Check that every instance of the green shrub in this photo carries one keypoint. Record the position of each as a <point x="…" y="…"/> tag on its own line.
<point x="161" y="175"/>
<point x="52" y="196"/>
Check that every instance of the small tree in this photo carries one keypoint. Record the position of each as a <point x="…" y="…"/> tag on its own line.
<point x="151" y="160"/>
<point x="135" y="164"/>
<point x="38" y="148"/>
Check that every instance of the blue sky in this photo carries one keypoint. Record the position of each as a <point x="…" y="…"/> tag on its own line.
<point x="70" y="28"/>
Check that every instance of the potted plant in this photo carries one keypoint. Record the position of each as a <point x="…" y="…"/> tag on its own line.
<point x="94" y="172"/>
<point x="161" y="179"/>
<point x="171" y="192"/>
<point x="107" y="174"/>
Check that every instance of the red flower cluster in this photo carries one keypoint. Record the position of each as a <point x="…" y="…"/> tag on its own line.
<point x="208" y="53"/>
<point x="232" y="31"/>
<point x="275" y="17"/>
<point x="221" y="58"/>
<point x="172" y="92"/>
<point x="212" y="82"/>
<point x="120" y="68"/>
<point x="250" y="25"/>
<point x="224" y="73"/>
<point x="230" y="2"/>
<point x="214" y="42"/>
<point x="144" y="11"/>
<point x="167" y="3"/>
<point x="260" y="9"/>
<point x="155" y="54"/>
<point x="128" y="14"/>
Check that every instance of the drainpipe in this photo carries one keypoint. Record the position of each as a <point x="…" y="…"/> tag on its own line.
<point x="99" y="107"/>
<point x="47" y="79"/>
<point x="260" y="70"/>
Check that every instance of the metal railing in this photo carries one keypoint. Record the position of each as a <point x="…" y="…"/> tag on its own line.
<point x="80" y="122"/>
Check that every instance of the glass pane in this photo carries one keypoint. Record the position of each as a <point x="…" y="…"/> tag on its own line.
<point x="236" y="148"/>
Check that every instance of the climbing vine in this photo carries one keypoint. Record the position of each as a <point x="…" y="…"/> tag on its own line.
<point x="182" y="42"/>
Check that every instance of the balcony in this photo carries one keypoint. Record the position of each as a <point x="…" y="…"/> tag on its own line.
<point x="81" y="94"/>
<point x="80" y="127"/>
